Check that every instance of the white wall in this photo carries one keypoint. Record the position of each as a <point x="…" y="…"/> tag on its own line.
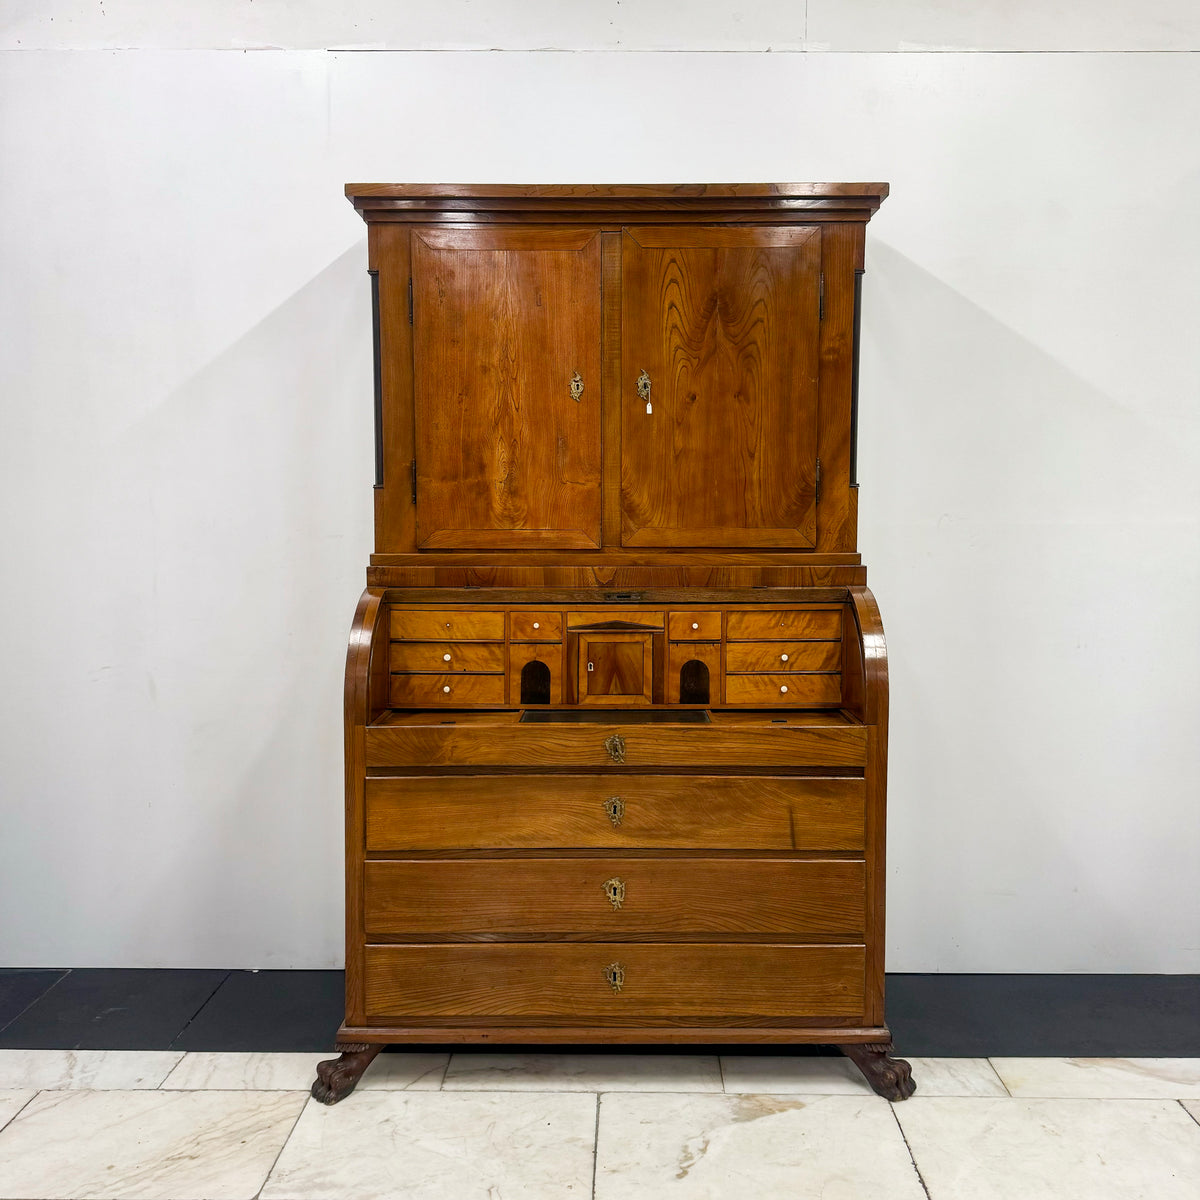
<point x="186" y="459"/>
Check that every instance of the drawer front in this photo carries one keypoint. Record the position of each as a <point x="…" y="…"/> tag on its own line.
<point x="783" y="689"/>
<point x="742" y="657"/>
<point x="483" y="657"/>
<point x="685" y="982"/>
<point x="535" y="627"/>
<point x="684" y="812"/>
<point x="694" y="626"/>
<point x="612" y="746"/>
<point x="612" y="898"/>
<point x="413" y="626"/>
<point x="802" y="624"/>
<point x="453" y="691"/>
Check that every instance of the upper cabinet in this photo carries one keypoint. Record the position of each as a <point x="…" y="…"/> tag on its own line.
<point x="616" y="374"/>
<point x="506" y="385"/>
<point x="719" y="443"/>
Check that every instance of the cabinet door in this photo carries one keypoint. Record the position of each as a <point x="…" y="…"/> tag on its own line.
<point x="724" y="325"/>
<point x="507" y="451"/>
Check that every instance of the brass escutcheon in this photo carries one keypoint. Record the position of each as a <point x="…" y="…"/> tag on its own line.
<point x="643" y="386"/>
<point x="615" y="745"/>
<point x="576" y="387"/>
<point x="614" y="889"/>
<point x="614" y="806"/>
<point x="615" y="974"/>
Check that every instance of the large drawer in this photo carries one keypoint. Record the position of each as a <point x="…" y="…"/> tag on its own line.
<point x="613" y="898"/>
<point x="689" y="981"/>
<point x="783" y="689"/>
<point x="454" y="691"/>
<point x="644" y="746"/>
<point x="686" y="812"/>
<point x="482" y="657"/>
<point x="777" y="625"/>
<point x="743" y="657"/>
<point x="414" y="625"/>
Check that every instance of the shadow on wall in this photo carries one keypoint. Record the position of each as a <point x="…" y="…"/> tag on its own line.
<point x="1012" y="517"/>
<point x="257" y="490"/>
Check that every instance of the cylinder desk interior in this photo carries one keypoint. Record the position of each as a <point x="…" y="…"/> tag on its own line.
<point x="616" y="694"/>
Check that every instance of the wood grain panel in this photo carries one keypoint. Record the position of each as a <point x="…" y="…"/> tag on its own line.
<point x="800" y="899"/>
<point x="694" y="626"/>
<point x="481" y="657"/>
<point x="415" y="625"/>
<point x="725" y="324"/>
<point x="487" y="744"/>
<point x="502" y="322"/>
<point x="783" y="689"/>
<point x="699" y="812"/>
<point x="685" y="981"/>
<point x="451" y="691"/>
<point x="780" y="657"/>
<point x="782" y="624"/>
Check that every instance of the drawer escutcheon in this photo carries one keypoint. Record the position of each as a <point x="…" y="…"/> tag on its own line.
<point x="614" y="889"/>
<point x="615" y="745"/>
<point x="615" y="974"/>
<point x="614" y="807"/>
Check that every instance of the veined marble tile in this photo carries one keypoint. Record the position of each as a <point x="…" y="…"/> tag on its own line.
<point x="583" y="1073"/>
<point x="956" y="1077"/>
<point x="993" y="1149"/>
<point x="11" y="1103"/>
<point x="1102" y="1078"/>
<point x="51" y="1070"/>
<point x="296" y="1072"/>
<point x="804" y="1075"/>
<point x="439" y="1146"/>
<point x="765" y="1147"/>
<point x="144" y="1145"/>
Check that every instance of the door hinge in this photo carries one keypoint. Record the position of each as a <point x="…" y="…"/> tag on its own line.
<point x="412" y="467"/>
<point x="410" y="302"/>
<point x="817" y="499"/>
<point x="820" y="297"/>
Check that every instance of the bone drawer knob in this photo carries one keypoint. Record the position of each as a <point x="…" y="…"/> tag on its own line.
<point x="446" y="657"/>
<point x="783" y="688"/>
<point x="537" y="625"/>
<point x="695" y="624"/>
<point x="447" y="688"/>
<point x="782" y="657"/>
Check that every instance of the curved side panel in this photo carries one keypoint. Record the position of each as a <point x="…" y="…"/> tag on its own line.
<point x="368" y="621"/>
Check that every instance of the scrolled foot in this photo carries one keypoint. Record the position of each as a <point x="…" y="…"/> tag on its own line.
<point x="890" y="1077"/>
<point x="337" y="1077"/>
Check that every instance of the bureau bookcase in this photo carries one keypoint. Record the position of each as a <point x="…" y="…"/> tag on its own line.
<point x="616" y="692"/>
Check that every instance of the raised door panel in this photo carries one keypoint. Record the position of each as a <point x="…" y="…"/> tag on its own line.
<point x="506" y="368"/>
<point x="723" y="323"/>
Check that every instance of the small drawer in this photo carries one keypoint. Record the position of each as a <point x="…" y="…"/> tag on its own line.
<point x="776" y="689"/>
<point x="446" y="691"/>
<point x="535" y="627"/>
<point x="411" y="625"/>
<point x="482" y="657"/>
<point x="694" y="626"/>
<point x="803" y="624"/>
<point x="743" y="657"/>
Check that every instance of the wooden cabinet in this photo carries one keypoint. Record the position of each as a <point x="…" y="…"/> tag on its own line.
<point x="616" y="693"/>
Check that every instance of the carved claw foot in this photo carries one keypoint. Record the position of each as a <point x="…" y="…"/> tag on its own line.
<point x="890" y="1077"/>
<point x="337" y="1077"/>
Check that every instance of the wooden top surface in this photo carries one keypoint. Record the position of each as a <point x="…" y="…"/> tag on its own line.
<point x="614" y="191"/>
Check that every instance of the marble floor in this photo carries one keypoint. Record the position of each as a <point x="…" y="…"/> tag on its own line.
<point x="165" y="1125"/>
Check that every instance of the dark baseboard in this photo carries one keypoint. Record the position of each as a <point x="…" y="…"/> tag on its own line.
<point x="1107" y="1016"/>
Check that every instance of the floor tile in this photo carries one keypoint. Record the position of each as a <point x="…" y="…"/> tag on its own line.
<point x="992" y="1149"/>
<point x="989" y="1015"/>
<point x="583" y="1073"/>
<point x="53" y="1070"/>
<point x="1102" y="1078"/>
<point x="956" y="1077"/>
<point x="20" y="987"/>
<point x="438" y="1146"/>
<point x="201" y="1070"/>
<point x="145" y="1145"/>
<point x="276" y="1011"/>
<point x="766" y="1147"/>
<point x="788" y="1075"/>
<point x="11" y="1103"/>
<point x="122" y="1009"/>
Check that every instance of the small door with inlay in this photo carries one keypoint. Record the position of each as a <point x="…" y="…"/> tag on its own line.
<point x="506" y="376"/>
<point x="615" y="668"/>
